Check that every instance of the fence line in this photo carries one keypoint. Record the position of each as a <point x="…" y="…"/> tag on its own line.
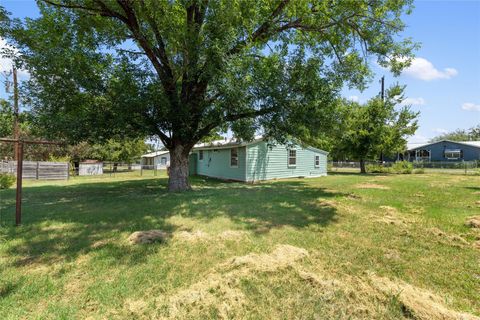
<point x="37" y="170"/>
<point x="429" y="166"/>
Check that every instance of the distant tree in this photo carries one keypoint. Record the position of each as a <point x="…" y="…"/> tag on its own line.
<point x="180" y="69"/>
<point x="376" y="127"/>
<point x="460" y="135"/>
<point x="116" y="150"/>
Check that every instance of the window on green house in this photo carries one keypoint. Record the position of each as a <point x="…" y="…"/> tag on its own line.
<point x="292" y="157"/>
<point x="234" y="157"/>
<point x="200" y="155"/>
<point x="317" y="161"/>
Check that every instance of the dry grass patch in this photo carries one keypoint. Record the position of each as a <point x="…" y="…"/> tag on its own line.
<point x="418" y="303"/>
<point x="145" y="237"/>
<point x="221" y="290"/>
<point x="473" y="222"/>
<point x="371" y="186"/>
<point x="448" y="238"/>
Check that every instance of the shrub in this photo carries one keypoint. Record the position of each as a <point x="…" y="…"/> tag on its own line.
<point x="376" y="168"/>
<point x="419" y="171"/>
<point x="6" y="180"/>
<point x="404" y="167"/>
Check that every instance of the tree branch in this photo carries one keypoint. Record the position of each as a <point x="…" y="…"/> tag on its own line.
<point x="260" y="31"/>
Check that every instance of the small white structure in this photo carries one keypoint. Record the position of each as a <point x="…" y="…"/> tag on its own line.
<point x="156" y="160"/>
<point x="90" y="168"/>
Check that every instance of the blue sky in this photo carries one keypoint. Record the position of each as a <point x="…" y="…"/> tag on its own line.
<point x="443" y="82"/>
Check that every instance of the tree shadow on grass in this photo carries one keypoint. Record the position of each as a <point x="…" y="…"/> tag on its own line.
<point x="473" y="188"/>
<point x="64" y="222"/>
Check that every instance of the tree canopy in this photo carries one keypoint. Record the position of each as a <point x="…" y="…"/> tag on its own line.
<point x="471" y="134"/>
<point x="180" y="69"/>
<point x="378" y="127"/>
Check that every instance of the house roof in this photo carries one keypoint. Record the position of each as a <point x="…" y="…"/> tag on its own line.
<point x="233" y="142"/>
<point x="413" y="146"/>
<point x="155" y="154"/>
<point x="225" y="143"/>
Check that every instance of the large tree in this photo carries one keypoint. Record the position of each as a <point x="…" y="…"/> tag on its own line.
<point x="377" y="127"/>
<point x="180" y="69"/>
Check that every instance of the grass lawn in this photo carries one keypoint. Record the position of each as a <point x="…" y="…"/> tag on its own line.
<point x="346" y="246"/>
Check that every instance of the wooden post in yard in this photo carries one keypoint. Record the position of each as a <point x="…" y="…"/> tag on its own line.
<point x="18" y="205"/>
<point x="20" y="143"/>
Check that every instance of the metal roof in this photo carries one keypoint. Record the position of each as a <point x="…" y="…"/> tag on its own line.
<point x="412" y="146"/>
<point x="234" y="142"/>
<point x="155" y="154"/>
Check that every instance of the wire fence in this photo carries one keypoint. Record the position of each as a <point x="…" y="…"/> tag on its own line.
<point x="461" y="167"/>
<point x="112" y="169"/>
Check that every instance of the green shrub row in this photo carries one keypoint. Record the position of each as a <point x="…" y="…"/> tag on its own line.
<point x="401" y="167"/>
<point x="6" y="180"/>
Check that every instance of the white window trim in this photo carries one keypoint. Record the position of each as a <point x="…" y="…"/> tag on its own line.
<point x="233" y="166"/>
<point x="288" y="158"/>
<point x="315" y="161"/>
<point x="452" y="152"/>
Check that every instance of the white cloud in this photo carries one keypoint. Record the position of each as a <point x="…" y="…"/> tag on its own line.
<point x="418" y="138"/>
<point x="440" y="130"/>
<point x="414" y="101"/>
<point x="423" y="69"/>
<point x="354" y="98"/>
<point x="469" y="106"/>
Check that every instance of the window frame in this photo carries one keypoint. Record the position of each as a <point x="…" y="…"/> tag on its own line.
<point x="289" y="157"/>
<point x="452" y="152"/>
<point x="200" y="155"/>
<point x="316" y="161"/>
<point x="234" y="157"/>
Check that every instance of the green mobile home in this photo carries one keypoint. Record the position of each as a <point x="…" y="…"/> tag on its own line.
<point x="257" y="160"/>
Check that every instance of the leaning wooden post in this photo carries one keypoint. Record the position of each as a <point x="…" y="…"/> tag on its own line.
<point x="18" y="207"/>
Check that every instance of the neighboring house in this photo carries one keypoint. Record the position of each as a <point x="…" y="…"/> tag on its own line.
<point x="156" y="160"/>
<point x="444" y="150"/>
<point x="256" y="160"/>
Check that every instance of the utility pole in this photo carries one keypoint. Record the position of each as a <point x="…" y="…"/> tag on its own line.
<point x="382" y="92"/>
<point x="15" y="112"/>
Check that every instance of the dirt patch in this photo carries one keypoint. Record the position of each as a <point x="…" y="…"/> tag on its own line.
<point x="371" y="186"/>
<point x="476" y="244"/>
<point x="452" y="239"/>
<point x="150" y="236"/>
<point x="416" y="302"/>
<point x="473" y="222"/>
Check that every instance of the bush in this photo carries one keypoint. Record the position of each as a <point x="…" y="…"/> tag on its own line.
<point x="404" y="167"/>
<point x="6" y="180"/>
<point x="376" y="168"/>
<point x="419" y="171"/>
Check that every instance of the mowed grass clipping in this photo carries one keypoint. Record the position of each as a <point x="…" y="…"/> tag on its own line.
<point x="346" y="246"/>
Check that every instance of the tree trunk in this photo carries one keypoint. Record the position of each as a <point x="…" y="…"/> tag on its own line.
<point x="178" y="171"/>
<point x="115" y="167"/>
<point x="362" y="166"/>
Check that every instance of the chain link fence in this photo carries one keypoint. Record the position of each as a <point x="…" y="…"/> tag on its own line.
<point x="463" y="167"/>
